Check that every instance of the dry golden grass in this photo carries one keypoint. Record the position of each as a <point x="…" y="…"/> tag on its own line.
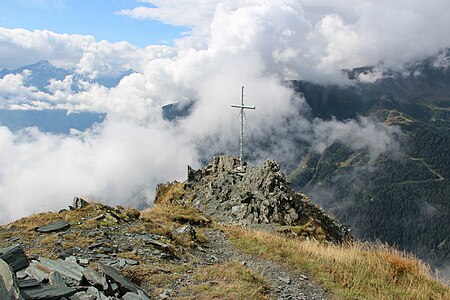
<point x="357" y="271"/>
<point x="226" y="281"/>
<point x="174" y="215"/>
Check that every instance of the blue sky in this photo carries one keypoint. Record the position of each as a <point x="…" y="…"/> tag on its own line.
<point x="88" y="17"/>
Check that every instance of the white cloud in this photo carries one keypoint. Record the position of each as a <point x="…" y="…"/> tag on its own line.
<point x="256" y="43"/>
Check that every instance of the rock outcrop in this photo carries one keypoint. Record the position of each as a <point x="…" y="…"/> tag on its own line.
<point x="252" y="195"/>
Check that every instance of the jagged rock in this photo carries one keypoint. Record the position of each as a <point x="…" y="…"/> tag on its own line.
<point x="96" y="293"/>
<point x="15" y="257"/>
<point x="96" y="279"/>
<point x="79" y="203"/>
<point x="70" y="271"/>
<point x="56" y="279"/>
<point x="253" y="195"/>
<point x="8" y="285"/>
<point x="55" y="226"/>
<point x="124" y="284"/>
<point x="83" y="296"/>
<point x="47" y="292"/>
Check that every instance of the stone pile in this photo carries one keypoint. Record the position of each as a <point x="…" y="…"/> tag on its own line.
<point x="45" y="278"/>
<point x="254" y="195"/>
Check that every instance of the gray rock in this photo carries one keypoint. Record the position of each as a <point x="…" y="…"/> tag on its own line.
<point x="133" y="296"/>
<point x="187" y="230"/>
<point x="79" y="203"/>
<point x="56" y="279"/>
<point x="96" y="293"/>
<point x="70" y="271"/>
<point x="55" y="226"/>
<point x="47" y="292"/>
<point x="254" y="195"/>
<point x="96" y="279"/>
<point x="15" y="257"/>
<point x="124" y="284"/>
<point x="156" y="243"/>
<point x="26" y="283"/>
<point x="8" y="285"/>
<point x="83" y="296"/>
<point x="37" y="272"/>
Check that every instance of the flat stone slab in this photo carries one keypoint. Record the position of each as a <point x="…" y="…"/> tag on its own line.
<point x="125" y="285"/>
<point x="15" y="257"/>
<point x="96" y="279"/>
<point x="55" y="226"/>
<point x="70" y="271"/>
<point x="27" y="283"/>
<point x="47" y="292"/>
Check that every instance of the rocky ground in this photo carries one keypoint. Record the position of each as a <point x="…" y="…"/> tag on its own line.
<point x="115" y="256"/>
<point x="173" y="251"/>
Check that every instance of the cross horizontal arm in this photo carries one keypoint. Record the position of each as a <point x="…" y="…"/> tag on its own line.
<point x="243" y="106"/>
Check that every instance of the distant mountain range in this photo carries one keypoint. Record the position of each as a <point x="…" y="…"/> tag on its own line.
<point x="43" y="71"/>
<point x="54" y="121"/>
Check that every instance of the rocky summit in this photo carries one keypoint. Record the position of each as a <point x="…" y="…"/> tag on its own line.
<point x="252" y="195"/>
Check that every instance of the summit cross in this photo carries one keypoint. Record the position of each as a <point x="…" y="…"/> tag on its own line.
<point x="241" y="137"/>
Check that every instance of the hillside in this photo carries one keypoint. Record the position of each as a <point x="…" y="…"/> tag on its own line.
<point x="177" y="251"/>
<point x="403" y="197"/>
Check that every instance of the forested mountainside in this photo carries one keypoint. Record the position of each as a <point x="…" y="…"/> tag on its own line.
<point x="402" y="198"/>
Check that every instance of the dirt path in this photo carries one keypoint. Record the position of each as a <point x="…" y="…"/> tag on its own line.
<point x="286" y="284"/>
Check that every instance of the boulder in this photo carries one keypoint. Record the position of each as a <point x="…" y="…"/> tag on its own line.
<point x="15" y="257"/>
<point x="8" y="285"/>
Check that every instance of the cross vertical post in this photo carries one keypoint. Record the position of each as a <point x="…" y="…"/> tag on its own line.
<point x="241" y="136"/>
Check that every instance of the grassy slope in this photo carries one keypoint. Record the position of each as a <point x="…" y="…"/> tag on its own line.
<point x="359" y="271"/>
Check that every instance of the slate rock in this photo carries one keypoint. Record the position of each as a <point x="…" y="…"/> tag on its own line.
<point x="8" y="285"/>
<point x="95" y="278"/>
<point x="124" y="284"/>
<point x="15" y="257"/>
<point x="56" y="279"/>
<point x="47" y="292"/>
<point x="70" y="271"/>
<point x="27" y="283"/>
<point x="96" y="293"/>
<point x="133" y="296"/>
<point x="55" y="226"/>
<point x="83" y="296"/>
<point x="79" y="203"/>
<point x="37" y="272"/>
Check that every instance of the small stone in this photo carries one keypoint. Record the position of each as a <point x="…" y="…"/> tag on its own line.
<point x="83" y="296"/>
<point x="286" y="279"/>
<point x="303" y="277"/>
<point x="83" y="261"/>
<point x="79" y="203"/>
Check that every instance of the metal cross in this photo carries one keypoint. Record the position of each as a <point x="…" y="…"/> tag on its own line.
<point x="241" y="139"/>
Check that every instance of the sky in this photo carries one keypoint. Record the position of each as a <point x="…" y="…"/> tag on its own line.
<point x="98" y="18"/>
<point x="258" y="44"/>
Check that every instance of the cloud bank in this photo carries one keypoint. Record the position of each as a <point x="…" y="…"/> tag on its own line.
<point x="255" y="43"/>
